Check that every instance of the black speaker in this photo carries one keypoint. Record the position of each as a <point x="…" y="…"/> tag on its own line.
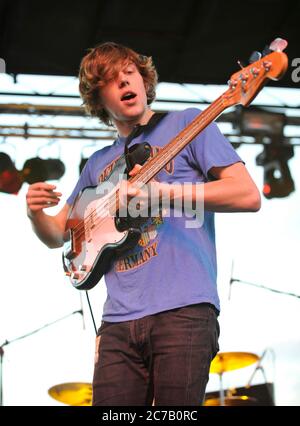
<point x="255" y="395"/>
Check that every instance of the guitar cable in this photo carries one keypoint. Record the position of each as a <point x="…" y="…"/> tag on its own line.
<point x="91" y="311"/>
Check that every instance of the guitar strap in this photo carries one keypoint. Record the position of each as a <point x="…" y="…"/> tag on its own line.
<point x="139" y="152"/>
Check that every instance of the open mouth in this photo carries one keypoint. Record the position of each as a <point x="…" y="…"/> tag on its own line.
<point x="128" y="96"/>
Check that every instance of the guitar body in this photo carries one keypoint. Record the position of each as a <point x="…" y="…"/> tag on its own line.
<point x="93" y="237"/>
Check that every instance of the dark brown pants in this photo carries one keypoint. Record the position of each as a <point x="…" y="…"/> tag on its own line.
<point x="163" y="358"/>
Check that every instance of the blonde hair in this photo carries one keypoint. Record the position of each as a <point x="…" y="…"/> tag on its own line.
<point x="102" y="64"/>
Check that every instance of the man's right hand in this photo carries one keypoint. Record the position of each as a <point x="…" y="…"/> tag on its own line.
<point x="39" y="196"/>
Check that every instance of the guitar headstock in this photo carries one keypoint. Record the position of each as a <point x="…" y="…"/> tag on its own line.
<point x="246" y="83"/>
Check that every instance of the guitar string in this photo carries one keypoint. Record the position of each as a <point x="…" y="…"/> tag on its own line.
<point x="102" y="209"/>
<point x="82" y="226"/>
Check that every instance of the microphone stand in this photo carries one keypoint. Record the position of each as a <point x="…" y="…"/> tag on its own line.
<point x="1" y="363"/>
<point x="23" y="337"/>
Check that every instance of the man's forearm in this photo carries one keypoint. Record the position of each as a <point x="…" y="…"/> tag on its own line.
<point x="47" y="229"/>
<point x="225" y="195"/>
<point x="230" y="195"/>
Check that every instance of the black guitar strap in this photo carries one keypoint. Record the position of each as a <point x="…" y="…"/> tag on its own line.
<point x="137" y="130"/>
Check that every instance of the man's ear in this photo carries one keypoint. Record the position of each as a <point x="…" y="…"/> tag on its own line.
<point x="146" y="85"/>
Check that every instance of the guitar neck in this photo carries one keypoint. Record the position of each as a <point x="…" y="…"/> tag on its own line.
<point x="244" y="85"/>
<point x="155" y="164"/>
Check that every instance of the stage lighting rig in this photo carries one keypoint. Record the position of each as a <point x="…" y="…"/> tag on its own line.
<point x="39" y="170"/>
<point x="268" y="127"/>
<point x="10" y="177"/>
<point x="258" y="122"/>
<point x="278" y="181"/>
<point x="82" y="164"/>
<point x="34" y="170"/>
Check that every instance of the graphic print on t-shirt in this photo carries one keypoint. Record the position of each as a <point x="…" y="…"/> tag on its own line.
<point x="146" y="247"/>
<point x="108" y="169"/>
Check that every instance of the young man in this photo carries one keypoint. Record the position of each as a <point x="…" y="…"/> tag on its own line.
<point x="160" y="331"/>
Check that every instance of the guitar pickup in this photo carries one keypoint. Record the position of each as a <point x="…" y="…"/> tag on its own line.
<point x="88" y="226"/>
<point x="69" y="246"/>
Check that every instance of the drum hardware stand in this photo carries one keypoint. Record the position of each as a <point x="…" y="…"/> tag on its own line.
<point x="222" y="396"/>
<point x="260" y="367"/>
<point x="227" y="361"/>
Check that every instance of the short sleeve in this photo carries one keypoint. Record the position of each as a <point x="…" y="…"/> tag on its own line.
<point x="211" y="149"/>
<point x="84" y="181"/>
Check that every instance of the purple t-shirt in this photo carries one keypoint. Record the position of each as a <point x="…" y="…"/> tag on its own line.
<point x="172" y="265"/>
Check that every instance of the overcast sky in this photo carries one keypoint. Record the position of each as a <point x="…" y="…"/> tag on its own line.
<point x="264" y="247"/>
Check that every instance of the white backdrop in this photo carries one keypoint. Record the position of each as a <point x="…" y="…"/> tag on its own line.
<point x="34" y="292"/>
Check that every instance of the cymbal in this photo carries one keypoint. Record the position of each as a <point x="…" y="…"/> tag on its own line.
<point x="232" y="401"/>
<point x="72" y="393"/>
<point x="227" y="361"/>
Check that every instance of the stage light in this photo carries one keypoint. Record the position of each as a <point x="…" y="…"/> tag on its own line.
<point x="82" y="164"/>
<point x="255" y="121"/>
<point x="10" y="179"/>
<point x="278" y="182"/>
<point x="266" y="125"/>
<point x="34" y="170"/>
<point x="39" y="170"/>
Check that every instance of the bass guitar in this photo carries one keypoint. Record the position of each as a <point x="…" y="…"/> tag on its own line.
<point x="92" y="237"/>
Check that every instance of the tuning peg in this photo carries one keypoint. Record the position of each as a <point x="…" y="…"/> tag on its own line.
<point x="255" y="56"/>
<point x="278" y="45"/>
<point x="240" y="63"/>
<point x="266" y="51"/>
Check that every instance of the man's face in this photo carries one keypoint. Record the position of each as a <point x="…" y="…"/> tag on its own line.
<point x="124" y="98"/>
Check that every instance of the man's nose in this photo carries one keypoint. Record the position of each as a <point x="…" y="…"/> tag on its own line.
<point x="123" y="80"/>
